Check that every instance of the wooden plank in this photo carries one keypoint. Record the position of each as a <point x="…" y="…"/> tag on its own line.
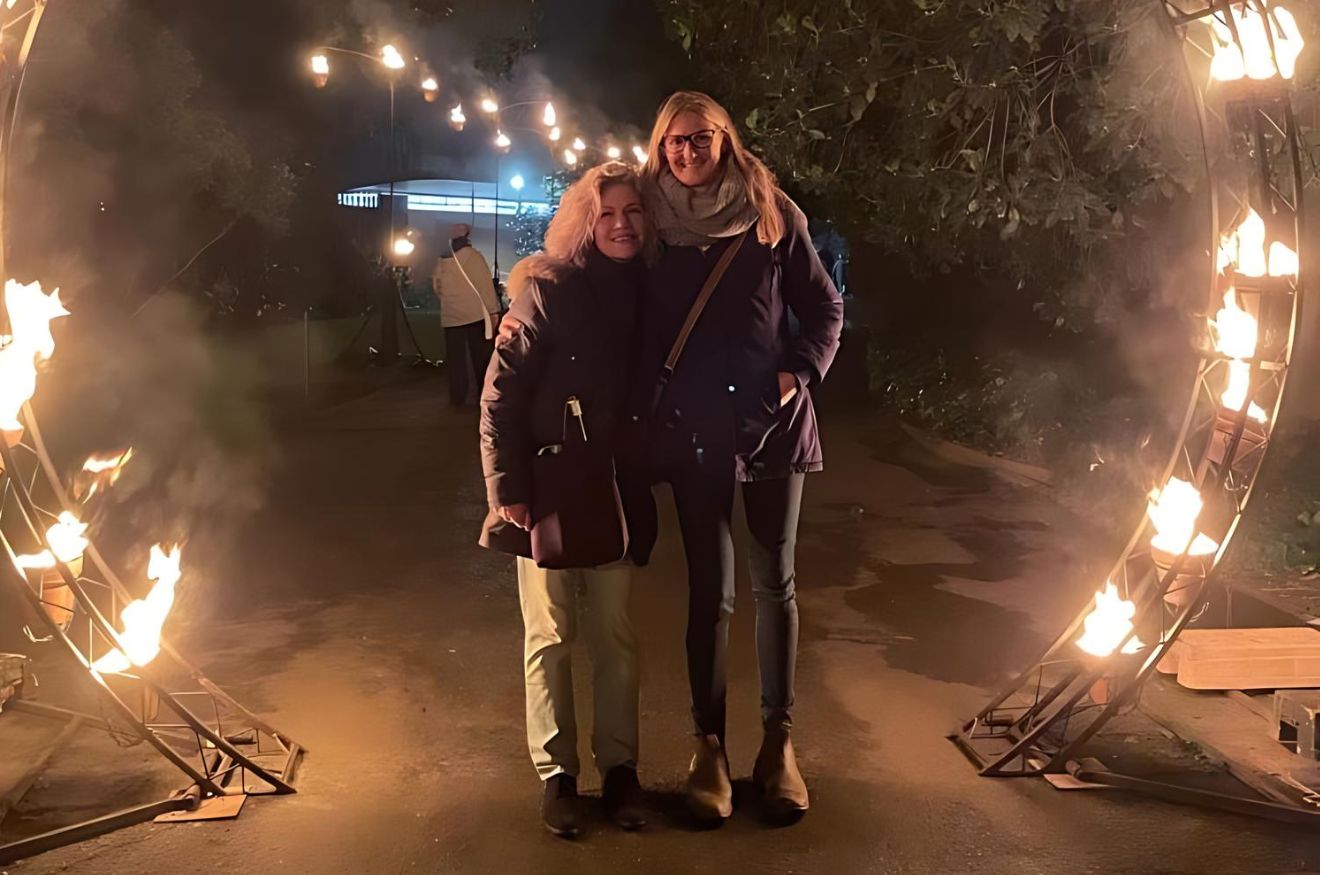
<point x="1247" y="659"/>
<point x="1234" y="736"/>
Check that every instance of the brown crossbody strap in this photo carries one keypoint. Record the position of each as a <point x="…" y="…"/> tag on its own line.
<point x="716" y="274"/>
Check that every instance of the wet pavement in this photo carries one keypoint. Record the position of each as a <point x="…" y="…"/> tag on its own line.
<point x="356" y="613"/>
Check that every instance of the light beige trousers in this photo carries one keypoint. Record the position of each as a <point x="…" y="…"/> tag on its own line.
<point x="554" y="604"/>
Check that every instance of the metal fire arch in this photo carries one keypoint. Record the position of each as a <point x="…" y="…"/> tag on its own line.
<point x="1041" y="721"/>
<point x="222" y="748"/>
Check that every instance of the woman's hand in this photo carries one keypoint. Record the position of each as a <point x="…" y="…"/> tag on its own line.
<point x="788" y="388"/>
<point x="518" y="514"/>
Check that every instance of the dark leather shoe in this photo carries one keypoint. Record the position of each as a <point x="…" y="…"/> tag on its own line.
<point x="709" y="788"/>
<point x="559" y="806"/>
<point x="622" y="795"/>
<point x="777" y="778"/>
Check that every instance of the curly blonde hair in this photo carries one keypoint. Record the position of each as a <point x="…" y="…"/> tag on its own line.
<point x="762" y="187"/>
<point x="572" y="231"/>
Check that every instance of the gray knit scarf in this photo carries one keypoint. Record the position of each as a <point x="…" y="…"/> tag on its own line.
<point x="702" y="215"/>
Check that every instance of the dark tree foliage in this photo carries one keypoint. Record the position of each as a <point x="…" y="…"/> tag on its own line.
<point x="528" y="227"/>
<point x="1040" y="142"/>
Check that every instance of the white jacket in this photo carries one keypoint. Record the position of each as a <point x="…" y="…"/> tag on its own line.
<point x="464" y="287"/>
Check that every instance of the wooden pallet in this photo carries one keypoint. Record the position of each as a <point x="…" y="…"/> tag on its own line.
<point x="1245" y="659"/>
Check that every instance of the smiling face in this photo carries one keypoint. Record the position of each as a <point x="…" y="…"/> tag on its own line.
<point x="620" y="227"/>
<point x="693" y="146"/>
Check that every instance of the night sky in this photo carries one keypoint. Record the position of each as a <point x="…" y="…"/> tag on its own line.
<point x="606" y="61"/>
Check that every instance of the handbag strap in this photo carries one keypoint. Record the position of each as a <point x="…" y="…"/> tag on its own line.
<point x="713" y="280"/>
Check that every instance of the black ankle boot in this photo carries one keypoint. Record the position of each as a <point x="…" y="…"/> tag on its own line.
<point x="559" y="806"/>
<point x="622" y="795"/>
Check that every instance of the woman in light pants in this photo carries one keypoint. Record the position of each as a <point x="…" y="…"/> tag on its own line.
<point x="556" y="607"/>
<point x="556" y="383"/>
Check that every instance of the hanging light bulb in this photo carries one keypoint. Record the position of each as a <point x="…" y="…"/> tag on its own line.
<point x="502" y="141"/>
<point x="555" y="134"/>
<point x="613" y="153"/>
<point x="549" y="117"/>
<point x="390" y="57"/>
<point x="570" y="158"/>
<point x="578" y="145"/>
<point x="320" y="70"/>
<point x="489" y="106"/>
<point x="639" y="153"/>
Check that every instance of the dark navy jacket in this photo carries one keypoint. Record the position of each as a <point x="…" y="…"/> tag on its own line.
<point x="724" y="395"/>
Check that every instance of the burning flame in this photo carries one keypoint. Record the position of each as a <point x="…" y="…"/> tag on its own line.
<point x="1239" y="381"/>
<point x="1108" y="623"/>
<point x="1173" y="512"/>
<point x="105" y="470"/>
<point x="1235" y="329"/>
<point x="430" y="84"/>
<point x="67" y="539"/>
<point x="18" y="383"/>
<point x="30" y="314"/>
<point x="549" y="118"/>
<point x="320" y="65"/>
<point x="1235" y="336"/>
<point x="456" y="118"/>
<point x="143" y="619"/>
<point x="390" y="57"/>
<point x="1254" y="59"/>
<point x="1243" y="249"/>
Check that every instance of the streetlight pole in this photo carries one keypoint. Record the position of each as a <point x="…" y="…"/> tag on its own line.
<point x="391" y="295"/>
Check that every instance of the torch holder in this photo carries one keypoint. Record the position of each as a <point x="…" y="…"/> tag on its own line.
<point x="56" y="597"/>
<point x="1221" y="438"/>
<point x="1191" y="575"/>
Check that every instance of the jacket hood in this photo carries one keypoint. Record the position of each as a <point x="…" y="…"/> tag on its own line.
<point x="534" y="268"/>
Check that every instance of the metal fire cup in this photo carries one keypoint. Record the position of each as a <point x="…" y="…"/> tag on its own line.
<point x="1184" y="586"/>
<point x="56" y="596"/>
<point x="136" y="694"/>
<point x="1253" y="437"/>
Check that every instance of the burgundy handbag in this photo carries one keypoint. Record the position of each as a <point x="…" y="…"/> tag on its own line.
<point x="577" y="515"/>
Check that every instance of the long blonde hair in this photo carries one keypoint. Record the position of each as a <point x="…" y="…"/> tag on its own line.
<point x="572" y="231"/>
<point x="762" y="188"/>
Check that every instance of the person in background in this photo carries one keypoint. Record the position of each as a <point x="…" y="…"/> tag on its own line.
<point x="469" y="310"/>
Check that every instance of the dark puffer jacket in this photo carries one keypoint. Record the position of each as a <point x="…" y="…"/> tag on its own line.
<point x="724" y="395"/>
<point x="571" y="332"/>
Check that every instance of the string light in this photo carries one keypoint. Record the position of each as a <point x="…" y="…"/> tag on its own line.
<point x="639" y="153"/>
<point x="502" y="141"/>
<point x="548" y="117"/>
<point x="570" y="158"/>
<point x="613" y="153"/>
<point x="390" y="57"/>
<point x="555" y="134"/>
<point x="489" y="106"/>
<point x="578" y="145"/>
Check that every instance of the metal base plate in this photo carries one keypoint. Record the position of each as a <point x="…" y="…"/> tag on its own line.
<point x="215" y="808"/>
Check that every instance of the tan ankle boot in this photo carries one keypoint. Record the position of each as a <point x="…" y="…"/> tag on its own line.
<point x="709" y="788"/>
<point x="777" y="778"/>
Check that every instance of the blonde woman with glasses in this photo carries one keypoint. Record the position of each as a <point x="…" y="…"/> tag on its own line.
<point x="728" y="380"/>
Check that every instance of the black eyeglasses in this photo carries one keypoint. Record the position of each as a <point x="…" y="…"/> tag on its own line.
<point x="700" y="140"/>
